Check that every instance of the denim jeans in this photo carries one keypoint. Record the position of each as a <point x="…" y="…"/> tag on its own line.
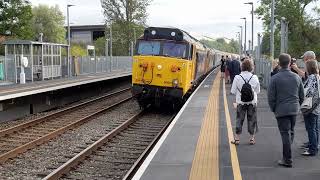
<point x="286" y="127"/>
<point x="312" y="127"/>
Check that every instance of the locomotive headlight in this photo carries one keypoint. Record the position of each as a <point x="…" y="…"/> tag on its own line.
<point x="173" y="33"/>
<point x="159" y="67"/>
<point x="153" y="32"/>
<point x="175" y="83"/>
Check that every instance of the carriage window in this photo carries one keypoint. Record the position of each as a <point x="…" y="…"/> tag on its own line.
<point x="149" y="48"/>
<point x="172" y="49"/>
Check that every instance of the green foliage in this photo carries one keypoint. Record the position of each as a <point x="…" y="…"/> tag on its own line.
<point x="126" y="17"/>
<point x="50" y="22"/>
<point x="78" y="50"/>
<point x="222" y="45"/>
<point x="15" y="18"/>
<point x="100" y="46"/>
<point x="304" y="30"/>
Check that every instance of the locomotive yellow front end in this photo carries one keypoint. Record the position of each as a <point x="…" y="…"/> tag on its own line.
<point x="162" y="71"/>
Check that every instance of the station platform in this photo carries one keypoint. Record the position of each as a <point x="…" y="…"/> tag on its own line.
<point x="20" y="100"/>
<point x="196" y="146"/>
<point x="11" y="91"/>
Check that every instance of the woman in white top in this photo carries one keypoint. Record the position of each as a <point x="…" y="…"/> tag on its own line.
<point x="246" y="105"/>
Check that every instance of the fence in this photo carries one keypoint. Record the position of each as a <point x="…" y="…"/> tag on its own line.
<point x="78" y="66"/>
<point x="263" y="69"/>
<point x="1" y="68"/>
<point x="101" y="64"/>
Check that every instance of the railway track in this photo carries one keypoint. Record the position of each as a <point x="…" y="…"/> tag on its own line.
<point x="20" y="138"/>
<point x="118" y="154"/>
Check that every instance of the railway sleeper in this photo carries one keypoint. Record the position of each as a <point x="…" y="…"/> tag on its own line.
<point x="144" y="130"/>
<point x="138" y="135"/>
<point x="112" y="149"/>
<point x="131" y="140"/>
<point x="137" y="127"/>
<point x="135" y="138"/>
<point x="129" y="146"/>
<point x="124" y="155"/>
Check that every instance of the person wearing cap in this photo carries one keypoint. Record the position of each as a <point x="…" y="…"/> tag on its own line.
<point x="309" y="55"/>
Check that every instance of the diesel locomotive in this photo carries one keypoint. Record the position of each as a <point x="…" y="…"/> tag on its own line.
<point x="168" y="64"/>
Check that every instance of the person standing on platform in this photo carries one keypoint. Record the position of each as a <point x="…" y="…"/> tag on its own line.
<point x="246" y="86"/>
<point x="311" y="118"/>
<point x="223" y="66"/>
<point x="235" y="68"/>
<point x="309" y="55"/>
<point x="227" y="70"/>
<point x="285" y="95"/>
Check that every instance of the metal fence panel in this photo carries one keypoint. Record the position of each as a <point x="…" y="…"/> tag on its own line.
<point x="263" y="71"/>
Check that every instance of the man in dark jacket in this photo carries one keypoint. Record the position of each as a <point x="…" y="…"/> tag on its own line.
<point x="234" y="68"/>
<point x="285" y="95"/>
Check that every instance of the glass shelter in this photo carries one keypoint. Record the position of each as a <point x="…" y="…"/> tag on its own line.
<point x="45" y="60"/>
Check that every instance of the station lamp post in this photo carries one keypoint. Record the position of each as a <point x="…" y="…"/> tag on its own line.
<point x="241" y="35"/>
<point x="252" y="17"/>
<point x="272" y="30"/>
<point x="69" y="39"/>
<point x="245" y="34"/>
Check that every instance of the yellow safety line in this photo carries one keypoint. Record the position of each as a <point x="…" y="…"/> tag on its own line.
<point x="205" y="165"/>
<point x="233" y="151"/>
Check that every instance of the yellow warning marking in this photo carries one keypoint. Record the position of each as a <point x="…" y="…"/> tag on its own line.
<point x="205" y="165"/>
<point x="233" y="151"/>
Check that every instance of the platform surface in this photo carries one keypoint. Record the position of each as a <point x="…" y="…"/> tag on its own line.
<point x="189" y="149"/>
<point x="20" y="90"/>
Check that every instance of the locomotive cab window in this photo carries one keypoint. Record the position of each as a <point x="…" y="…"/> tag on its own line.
<point x="148" y="48"/>
<point x="173" y="49"/>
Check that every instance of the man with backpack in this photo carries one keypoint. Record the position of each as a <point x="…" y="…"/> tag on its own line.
<point x="246" y="86"/>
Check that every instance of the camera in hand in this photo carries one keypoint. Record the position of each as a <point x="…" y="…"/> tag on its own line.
<point x="293" y="61"/>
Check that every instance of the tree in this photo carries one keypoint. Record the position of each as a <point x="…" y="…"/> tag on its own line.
<point x="50" y="22"/>
<point x="15" y="16"/>
<point x="304" y="30"/>
<point x="100" y="46"/>
<point x="126" y="16"/>
<point x="222" y="45"/>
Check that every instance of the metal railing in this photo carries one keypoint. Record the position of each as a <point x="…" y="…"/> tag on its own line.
<point x="263" y="68"/>
<point x="1" y="68"/>
<point x="101" y="64"/>
<point x="78" y="66"/>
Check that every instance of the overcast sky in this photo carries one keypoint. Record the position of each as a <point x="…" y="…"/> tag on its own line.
<point x="213" y="18"/>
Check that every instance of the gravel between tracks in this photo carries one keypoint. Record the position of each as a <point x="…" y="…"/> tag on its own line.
<point x="8" y="124"/>
<point x="106" y="164"/>
<point x="34" y="164"/>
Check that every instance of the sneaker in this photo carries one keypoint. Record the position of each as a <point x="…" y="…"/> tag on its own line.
<point x="307" y="153"/>
<point x="284" y="164"/>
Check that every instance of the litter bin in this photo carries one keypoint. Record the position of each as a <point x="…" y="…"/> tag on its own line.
<point x="1" y="72"/>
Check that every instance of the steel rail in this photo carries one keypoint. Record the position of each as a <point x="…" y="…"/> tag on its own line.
<point x="65" y="168"/>
<point x="56" y="114"/>
<point x="146" y="152"/>
<point x="14" y="152"/>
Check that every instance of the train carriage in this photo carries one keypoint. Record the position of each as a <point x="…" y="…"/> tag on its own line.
<point x="167" y="65"/>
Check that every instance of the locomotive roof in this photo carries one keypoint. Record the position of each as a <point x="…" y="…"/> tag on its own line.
<point x="170" y="33"/>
